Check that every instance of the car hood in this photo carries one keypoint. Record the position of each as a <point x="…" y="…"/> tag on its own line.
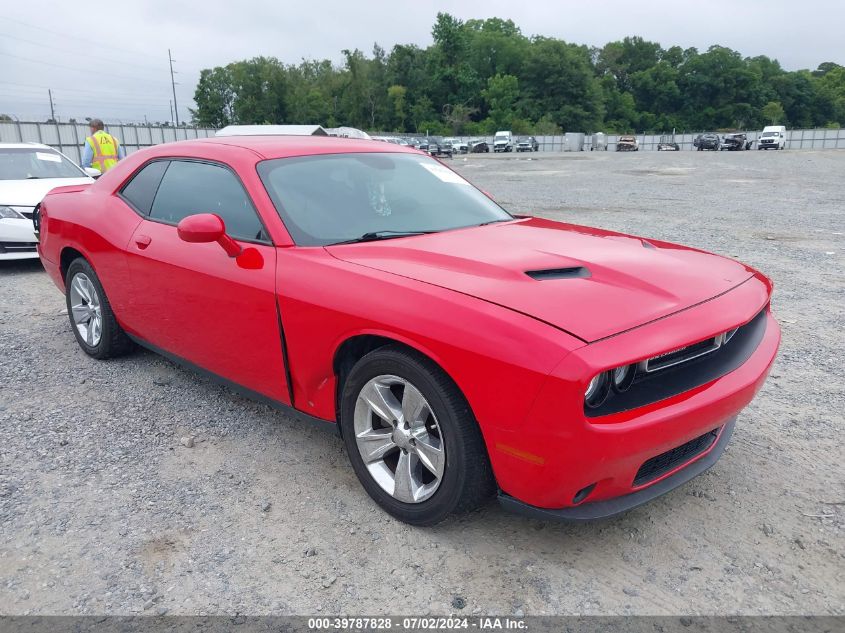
<point x="588" y="282"/>
<point x="28" y="193"/>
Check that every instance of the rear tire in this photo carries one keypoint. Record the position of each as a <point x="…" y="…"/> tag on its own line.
<point x="430" y="424"/>
<point x="91" y="317"/>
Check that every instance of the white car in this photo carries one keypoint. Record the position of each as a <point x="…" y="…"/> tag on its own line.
<point x="458" y="146"/>
<point x="27" y="172"/>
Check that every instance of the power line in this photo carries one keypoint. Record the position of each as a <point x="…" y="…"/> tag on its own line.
<point x="87" y="42"/>
<point x="82" y="98"/>
<point x="80" y="70"/>
<point x="77" y="54"/>
<point x="93" y="93"/>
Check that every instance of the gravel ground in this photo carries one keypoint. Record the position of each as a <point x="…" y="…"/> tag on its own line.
<point x="105" y="510"/>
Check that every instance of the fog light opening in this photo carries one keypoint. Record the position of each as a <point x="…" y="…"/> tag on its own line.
<point x="582" y="494"/>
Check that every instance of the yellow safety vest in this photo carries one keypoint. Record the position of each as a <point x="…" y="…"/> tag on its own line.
<point x="105" y="147"/>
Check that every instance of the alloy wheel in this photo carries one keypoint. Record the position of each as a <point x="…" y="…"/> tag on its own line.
<point x="85" y="309"/>
<point x="399" y="439"/>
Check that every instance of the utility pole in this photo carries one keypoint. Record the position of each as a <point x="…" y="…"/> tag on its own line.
<point x="52" y="111"/>
<point x="173" y="85"/>
<point x="171" y="111"/>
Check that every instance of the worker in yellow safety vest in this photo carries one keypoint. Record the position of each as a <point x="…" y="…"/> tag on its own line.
<point x="101" y="150"/>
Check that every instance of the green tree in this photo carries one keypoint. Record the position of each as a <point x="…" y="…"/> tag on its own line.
<point x="258" y="86"/>
<point x="214" y="97"/>
<point x="559" y="81"/>
<point x="501" y="96"/>
<point x="480" y="75"/>
<point x="773" y="112"/>
<point x="397" y="95"/>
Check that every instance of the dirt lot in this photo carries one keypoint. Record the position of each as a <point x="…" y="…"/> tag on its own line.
<point x="104" y="511"/>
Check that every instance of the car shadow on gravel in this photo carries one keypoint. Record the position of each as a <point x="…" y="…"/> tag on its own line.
<point x="287" y="440"/>
<point x="21" y="266"/>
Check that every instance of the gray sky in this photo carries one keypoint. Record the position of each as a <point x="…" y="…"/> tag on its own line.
<point x="115" y="66"/>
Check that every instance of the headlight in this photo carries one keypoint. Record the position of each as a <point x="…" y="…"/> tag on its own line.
<point x="9" y="212"/>
<point x="597" y="390"/>
<point x="623" y="377"/>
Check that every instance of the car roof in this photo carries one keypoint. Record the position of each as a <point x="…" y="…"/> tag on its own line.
<point x="268" y="147"/>
<point x="24" y="145"/>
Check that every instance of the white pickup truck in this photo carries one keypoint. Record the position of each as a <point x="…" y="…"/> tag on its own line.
<point x="773" y="137"/>
<point x="503" y="142"/>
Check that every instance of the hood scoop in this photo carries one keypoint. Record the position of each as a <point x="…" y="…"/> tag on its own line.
<point x="573" y="272"/>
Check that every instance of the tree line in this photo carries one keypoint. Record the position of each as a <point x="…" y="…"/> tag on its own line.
<point x="479" y="76"/>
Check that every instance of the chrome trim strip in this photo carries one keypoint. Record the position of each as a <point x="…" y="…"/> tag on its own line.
<point x="718" y="341"/>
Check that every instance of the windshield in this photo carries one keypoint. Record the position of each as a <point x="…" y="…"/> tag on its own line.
<point x="501" y="137"/>
<point x="22" y="163"/>
<point x="338" y="197"/>
<point x="770" y="133"/>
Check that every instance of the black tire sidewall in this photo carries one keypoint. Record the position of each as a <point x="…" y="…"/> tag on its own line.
<point x="101" y="349"/>
<point x="448" y="495"/>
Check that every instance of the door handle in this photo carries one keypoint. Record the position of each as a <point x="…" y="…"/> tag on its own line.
<point x="143" y="241"/>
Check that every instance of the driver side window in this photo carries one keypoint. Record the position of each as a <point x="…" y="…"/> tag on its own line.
<point x="190" y="187"/>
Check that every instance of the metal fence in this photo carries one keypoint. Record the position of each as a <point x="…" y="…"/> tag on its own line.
<point x="795" y="139"/>
<point x="69" y="138"/>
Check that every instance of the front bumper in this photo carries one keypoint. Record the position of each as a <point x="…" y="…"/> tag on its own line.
<point x="617" y="505"/>
<point x="17" y="239"/>
<point x="556" y="453"/>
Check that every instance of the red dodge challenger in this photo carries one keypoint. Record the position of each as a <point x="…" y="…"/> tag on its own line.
<point x="461" y="351"/>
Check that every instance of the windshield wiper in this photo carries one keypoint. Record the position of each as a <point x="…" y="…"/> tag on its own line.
<point x="33" y="177"/>
<point x="495" y="221"/>
<point x="375" y="236"/>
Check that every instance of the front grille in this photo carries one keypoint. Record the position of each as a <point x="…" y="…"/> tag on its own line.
<point x="17" y="247"/>
<point x="682" y="369"/>
<point x="671" y="459"/>
<point x="683" y="354"/>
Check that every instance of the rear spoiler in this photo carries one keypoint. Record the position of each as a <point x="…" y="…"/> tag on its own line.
<point x="68" y="189"/>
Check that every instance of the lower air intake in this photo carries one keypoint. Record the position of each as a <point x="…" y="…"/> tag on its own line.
<point x="671" y="459"/>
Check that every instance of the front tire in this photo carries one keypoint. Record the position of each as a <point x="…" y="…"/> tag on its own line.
<point x="412" y="439"/>
<point x="91" y="318"/>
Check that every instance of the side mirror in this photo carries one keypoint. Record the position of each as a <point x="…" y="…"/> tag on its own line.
<point x="93" y="172"/>
<point x="207" y="227"/>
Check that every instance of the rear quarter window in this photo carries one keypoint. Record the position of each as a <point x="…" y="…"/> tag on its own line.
<point x="141" y="190"/>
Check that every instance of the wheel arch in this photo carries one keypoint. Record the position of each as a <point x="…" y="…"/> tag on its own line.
<point x="356" y="346"/>
<point x="66" y="257"/>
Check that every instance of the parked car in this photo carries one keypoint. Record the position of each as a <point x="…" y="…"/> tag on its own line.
<point x="458" y="146"/>
<point x="707" y="141"/>
<point x="527" y="144"/>
<point x="297" y="268"/>
<point x="735" y="142"/>
<point x="27" y="172"/>
<point x="478" y="146"/>
<point x="436" y="146"/>
<point x="773" y="137"/>
<point x="503" y="141"/>
<point x="627" y="144"/>
<point x="667" y="144"/>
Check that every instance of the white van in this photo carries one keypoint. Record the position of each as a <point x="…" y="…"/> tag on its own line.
<point x="503" y="142"/>
<point x="773" y="137"/>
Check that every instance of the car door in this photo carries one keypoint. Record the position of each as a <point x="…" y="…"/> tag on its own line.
<point x="194" y="301"/>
